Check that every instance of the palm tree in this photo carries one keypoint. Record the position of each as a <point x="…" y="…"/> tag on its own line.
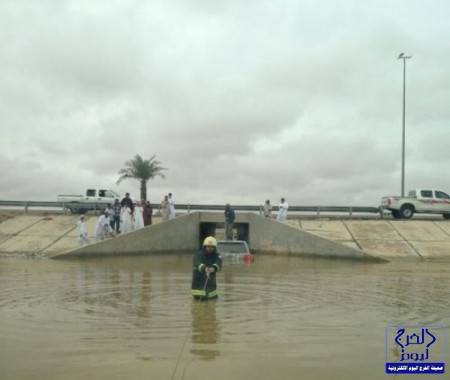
<point x="142" y="170"/>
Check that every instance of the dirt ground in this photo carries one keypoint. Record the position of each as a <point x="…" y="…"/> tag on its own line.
<point x="6" y="215"/>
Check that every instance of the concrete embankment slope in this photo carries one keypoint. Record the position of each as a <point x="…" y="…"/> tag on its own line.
<point x="272" y="237"/>
<point x="51" y="235"/>
<point x="389" y="239"/>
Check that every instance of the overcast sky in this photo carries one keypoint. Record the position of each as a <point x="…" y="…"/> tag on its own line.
<point x="241" y="101"/>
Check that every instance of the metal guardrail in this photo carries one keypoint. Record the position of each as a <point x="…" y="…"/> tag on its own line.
<point x="64" y="206"/>
<point x="317" y="210"/>
<point x="313" y="209"/>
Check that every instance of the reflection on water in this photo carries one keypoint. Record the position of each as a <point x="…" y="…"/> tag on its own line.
<point x="205" y="330"/>
<point x="133" y="318"/>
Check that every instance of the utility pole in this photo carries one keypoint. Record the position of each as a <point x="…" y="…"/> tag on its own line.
<point x="404" y="57"/>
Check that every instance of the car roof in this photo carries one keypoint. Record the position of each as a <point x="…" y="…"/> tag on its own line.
<point x="234" y="246"/>
<point x="231" y="241"/>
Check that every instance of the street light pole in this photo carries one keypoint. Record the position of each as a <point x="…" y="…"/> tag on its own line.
<point x="404" y="57"/>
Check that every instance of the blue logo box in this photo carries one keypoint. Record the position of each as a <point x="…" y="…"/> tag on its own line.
<point x="415" y="349"/>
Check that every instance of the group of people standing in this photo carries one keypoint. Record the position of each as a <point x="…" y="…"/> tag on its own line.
<point x="127" y="216"/>
<point x="266" y="210"/>
<point x="282" y="210"/>
<point x="119" y="218"/>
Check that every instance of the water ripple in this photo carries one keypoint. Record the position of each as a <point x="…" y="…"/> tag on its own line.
<point x="141" y="308"/>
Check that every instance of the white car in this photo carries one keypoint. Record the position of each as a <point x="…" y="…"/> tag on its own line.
<point x="234" y="249"/>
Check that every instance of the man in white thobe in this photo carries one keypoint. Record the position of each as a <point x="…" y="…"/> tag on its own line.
<point x="282" y="210"/>
<point x="171" y="207"/>
<point x="82" y="232"/>
<point x="138" y="216"/>
<point x="103" y="227"/>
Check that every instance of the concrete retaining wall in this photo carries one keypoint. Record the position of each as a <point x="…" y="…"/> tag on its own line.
<point x="180" y="234"/>
<point x="270" y="236"/>
<point x="184" y="234"/>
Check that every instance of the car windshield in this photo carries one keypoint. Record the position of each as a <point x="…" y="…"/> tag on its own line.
<point x="232" y="247"/>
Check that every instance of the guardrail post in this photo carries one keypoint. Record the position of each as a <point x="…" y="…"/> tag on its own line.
<point x="318" y="211"/>
<point x="26" y="207"/>
<point x="351" y="212"/>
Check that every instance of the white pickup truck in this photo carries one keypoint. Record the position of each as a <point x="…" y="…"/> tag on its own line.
<point x="427" y="201"/>
<point x="91" y="200"/>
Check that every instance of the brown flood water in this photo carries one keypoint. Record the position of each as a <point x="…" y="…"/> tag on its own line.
<point x="279" y="318"/>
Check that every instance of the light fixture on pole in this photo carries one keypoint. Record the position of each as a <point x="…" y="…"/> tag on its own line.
<point x="404" y="57"/>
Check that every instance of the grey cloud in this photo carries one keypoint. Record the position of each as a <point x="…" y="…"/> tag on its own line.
<point x="240" y="101"/>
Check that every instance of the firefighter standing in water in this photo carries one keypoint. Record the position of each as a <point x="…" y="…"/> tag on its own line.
<point x="207" y="262"/>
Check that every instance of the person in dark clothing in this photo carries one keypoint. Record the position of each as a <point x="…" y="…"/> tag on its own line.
<point x="148" y="213"/>
<point x="127" y="201"/>
<point x="229" y="220"/>
<point x="207" y="262"/>
<point x="116" y="215"/>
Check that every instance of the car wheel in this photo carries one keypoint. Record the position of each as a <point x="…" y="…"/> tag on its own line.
<point x="396" y="214"/>
<point x="407" y="211"/>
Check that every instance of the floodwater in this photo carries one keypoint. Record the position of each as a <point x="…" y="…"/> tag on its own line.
<point x="279" y="318"/>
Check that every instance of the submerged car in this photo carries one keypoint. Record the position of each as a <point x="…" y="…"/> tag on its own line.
<point x="234" y="249"/>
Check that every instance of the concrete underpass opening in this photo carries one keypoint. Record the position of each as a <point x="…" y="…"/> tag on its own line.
<point x="241" y="231"/>
<point x="206" y="229"/>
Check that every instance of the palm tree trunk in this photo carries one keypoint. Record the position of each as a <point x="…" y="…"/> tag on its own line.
<point x="143" y="190"/>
